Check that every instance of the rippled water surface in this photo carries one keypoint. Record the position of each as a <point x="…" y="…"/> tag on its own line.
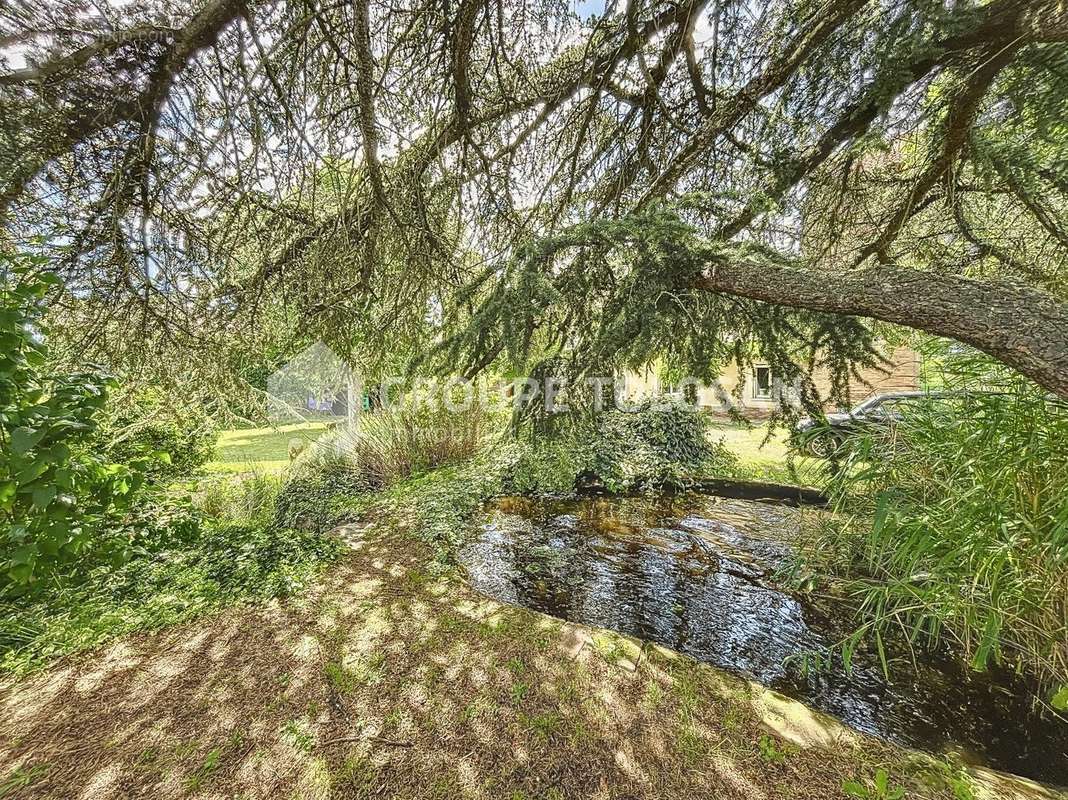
<point x="697" y="574"/>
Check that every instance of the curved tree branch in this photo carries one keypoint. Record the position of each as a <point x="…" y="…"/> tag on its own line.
<point x="829" y="18"/>
<point x="1023" y="327"/>
<point x="959" y="117"/>
<point x="143" y="108"/>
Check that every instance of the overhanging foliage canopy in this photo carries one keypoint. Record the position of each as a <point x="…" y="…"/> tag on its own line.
<point x="370" y="171"/>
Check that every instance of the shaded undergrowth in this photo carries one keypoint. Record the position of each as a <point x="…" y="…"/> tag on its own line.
<point x="227" y="550"/>
<point x="391" y="681"/>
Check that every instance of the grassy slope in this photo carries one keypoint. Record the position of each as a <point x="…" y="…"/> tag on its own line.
<point x="763" y="460"/>
<point x="176" y="585"/>
<point x="392" y="678"/>
<point x="389" y="681"/>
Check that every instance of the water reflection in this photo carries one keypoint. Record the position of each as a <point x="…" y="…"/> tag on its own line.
<point x="697" y="574"/>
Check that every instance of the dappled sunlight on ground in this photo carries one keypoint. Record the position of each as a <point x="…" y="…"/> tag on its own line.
<point x="390" y="682"/>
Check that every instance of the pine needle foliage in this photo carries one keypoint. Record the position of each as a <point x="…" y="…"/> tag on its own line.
<point x="614" y="295"/>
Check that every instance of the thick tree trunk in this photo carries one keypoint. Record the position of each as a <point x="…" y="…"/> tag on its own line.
<point x="1022" y="327"/>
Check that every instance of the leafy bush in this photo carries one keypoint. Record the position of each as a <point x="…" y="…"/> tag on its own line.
<point x="960" y="527"/>
<point x="61" y="500"/>
<point x="319" y="497"/>
<point x="184" y="558"/>
<point x="438" y="507"/>
<point x="660" y="442"/>
<point x="87" y="549"/>
<point x="550" y="466"/>
<point x="149" y="423"/>
<point x="250" y="497"/>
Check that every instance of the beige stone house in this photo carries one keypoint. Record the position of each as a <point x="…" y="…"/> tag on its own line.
<point x="760" y="389"/>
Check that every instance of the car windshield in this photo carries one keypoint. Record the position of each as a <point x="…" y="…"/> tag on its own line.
<point x="881" y="404"/>
<point x="868" y="406"/>
<point x="885" y="404"/>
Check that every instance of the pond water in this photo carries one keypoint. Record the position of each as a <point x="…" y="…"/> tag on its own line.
<point x="697" y="574"/>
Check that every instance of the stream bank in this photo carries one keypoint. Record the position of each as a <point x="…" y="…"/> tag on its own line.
<point x="697" y="574"/>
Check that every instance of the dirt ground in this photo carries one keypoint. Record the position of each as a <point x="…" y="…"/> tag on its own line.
<point x="390" y="682"/>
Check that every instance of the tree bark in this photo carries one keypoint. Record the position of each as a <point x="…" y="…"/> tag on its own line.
<point x="1025" y="328"/>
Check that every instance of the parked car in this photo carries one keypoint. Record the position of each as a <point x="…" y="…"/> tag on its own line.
<point x="823" y="439"/>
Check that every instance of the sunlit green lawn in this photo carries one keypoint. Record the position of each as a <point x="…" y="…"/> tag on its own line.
<point x="260" y="449"/>
<point x="764" y="460"/>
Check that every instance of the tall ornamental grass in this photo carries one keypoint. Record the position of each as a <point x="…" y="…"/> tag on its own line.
<point x="388" y="445"/>
<point x="383" y="448"/>
<point x="960" y="513"/>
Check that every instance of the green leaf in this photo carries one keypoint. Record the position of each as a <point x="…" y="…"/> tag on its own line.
<point x="854" y="789"/>
<point x="886" y="674"/>
<point x="882" y="781"/>
<point x="32" y="472"/>
<point x="7" y="493"/>
<point x="59" y="452"/>
<point x="1060" y="699"/>
<point x="23" y="439"/>
<point x="24" y="555"/>
<point x="20" y="573"/>
<point x="43" y="496"/>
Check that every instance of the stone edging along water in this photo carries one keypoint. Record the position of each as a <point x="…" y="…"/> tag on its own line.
<point x="784" y="494"/>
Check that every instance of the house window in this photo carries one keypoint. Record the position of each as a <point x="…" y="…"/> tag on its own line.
<point x="762" y="382"/>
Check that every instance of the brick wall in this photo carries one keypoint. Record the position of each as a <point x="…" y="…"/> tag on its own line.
<point x="900" y="374"/>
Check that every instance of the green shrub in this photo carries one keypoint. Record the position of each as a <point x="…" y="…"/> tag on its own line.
<point x="183" y="557"/>
<point x="88" y="549"/>
<point x="392" y="444"/>
<point x="660" y="442"/>
<point x="259" y="561"/>
<point x="550" y="466"/>
<point x="960" y="527"/>
<point x="319" y="497"/>
<point x="149" y="422"/>
<point x="223" y="563"/>
<point x="249" y="497"/>
<point x="61" y="499"/>
<point x="439" y="506"/>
